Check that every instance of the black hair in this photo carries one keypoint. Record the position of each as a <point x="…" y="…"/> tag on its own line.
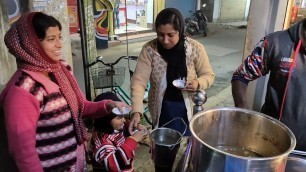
<point x="173" y="17"/>
<point x="41" y="22"/>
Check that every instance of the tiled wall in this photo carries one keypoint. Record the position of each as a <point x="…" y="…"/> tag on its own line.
<point x="59" y="10"/>
<point x="56" y="8"/>
<point x="7" y="61"/>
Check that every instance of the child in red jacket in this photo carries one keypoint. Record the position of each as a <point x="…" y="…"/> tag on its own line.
<point x="111" y="147"/>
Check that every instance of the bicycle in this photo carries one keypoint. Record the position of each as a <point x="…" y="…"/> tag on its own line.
<point x="112" y="77"/>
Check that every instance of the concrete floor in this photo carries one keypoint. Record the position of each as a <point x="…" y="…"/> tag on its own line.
<point x="224" y="46"/>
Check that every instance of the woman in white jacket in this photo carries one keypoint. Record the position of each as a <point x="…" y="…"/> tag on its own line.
<point x="169" y="57"/>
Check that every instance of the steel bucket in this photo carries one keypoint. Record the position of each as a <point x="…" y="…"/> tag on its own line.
<point x="165" y="144"/>
<point x="238" y="140"/>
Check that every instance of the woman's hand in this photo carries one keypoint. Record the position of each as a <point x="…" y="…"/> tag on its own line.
<point x="134" y="122"/>
<point x="192" y="85"/>
<point x="120" y="105"/>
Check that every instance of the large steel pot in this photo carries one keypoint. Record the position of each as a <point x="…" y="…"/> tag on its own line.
<point x="296" y="164"/>
<point x="238" y="140"/>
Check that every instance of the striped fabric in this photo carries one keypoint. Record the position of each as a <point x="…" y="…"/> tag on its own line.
<point x="111" y="152"/>
<point x="56" y="143"/>
<point x="255" y="65"/>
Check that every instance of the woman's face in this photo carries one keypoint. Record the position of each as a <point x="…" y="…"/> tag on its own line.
<point x="52" y="43"/>
<point x="118" y="122"/>
<point x="167" y="36"/>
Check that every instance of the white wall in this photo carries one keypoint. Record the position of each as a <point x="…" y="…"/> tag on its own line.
<point x="150" y="10"/>
<point x="131" y="11"/>
<point x="247" y="8"/>
<point x="217" y="8"/>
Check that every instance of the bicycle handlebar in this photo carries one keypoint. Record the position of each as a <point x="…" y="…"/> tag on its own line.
<point x="100" y="59"/>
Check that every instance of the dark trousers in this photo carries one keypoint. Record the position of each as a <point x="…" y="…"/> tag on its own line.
<point x="171" y="110"/>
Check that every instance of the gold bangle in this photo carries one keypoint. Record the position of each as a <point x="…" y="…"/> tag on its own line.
<point x="140" y="114"/>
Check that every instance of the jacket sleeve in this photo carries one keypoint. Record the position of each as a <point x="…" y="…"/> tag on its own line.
<point x="95" y="109"/>
<point x="140" y="80"/>
<point x="113" y="158"/>
<point x="204" y="71"/>
<point x="255" y="65"/>
<point x="21" y="111"/>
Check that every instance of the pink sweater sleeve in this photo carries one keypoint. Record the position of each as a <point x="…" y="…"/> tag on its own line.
<point x="95" y="109"/>
<point x="21" y="111"/>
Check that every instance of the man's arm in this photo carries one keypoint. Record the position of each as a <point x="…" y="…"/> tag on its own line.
<point x="253" y="67"/>
<point x="239" y="94"/>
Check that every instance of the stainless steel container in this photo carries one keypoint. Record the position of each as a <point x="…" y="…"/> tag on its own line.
<point x="238" y="140"/>
<point x="295" y="164"/>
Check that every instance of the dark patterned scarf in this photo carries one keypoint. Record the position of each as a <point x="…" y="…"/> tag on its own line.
<point x="175" y="57"/>
<point x="23" y="43"/>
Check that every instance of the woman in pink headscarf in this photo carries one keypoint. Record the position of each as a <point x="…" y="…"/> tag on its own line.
<point x="42" y="103"/>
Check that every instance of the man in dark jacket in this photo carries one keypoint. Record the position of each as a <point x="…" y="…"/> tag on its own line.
<point x="283" y="55"/>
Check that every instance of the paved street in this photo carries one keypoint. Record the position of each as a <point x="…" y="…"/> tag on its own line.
<point x="224" y="47"/>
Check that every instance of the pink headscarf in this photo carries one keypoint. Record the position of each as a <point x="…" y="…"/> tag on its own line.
<point x="23" y="43"/>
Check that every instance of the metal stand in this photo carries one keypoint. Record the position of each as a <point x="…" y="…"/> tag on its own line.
<point x="199" y="98"/>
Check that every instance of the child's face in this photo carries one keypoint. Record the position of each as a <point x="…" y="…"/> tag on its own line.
<point x="118" y="122"/>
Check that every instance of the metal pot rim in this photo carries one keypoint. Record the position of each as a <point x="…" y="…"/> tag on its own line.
<point x="290" y="133"/>
<point x="164" y="128"/>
